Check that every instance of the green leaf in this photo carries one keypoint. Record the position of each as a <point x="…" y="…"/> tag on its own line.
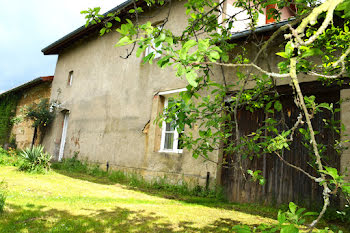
<point x="281" y="217"/>
<point x="292" y="207"/>
<point x="278" y="106"/>
<point x="202" y="133"/>
<point x="282" y="54"/>
<point x="214" y="55"/>
<point x="102" y="31"/>
<point x="191" y="78"/>
<point x="147" y="58"/>
<point x="311" y="214"/>
<point x="189" y="44"/>
<point x="333" y="172"/>
<point x="163" y="61"/>
<point x="289" y="229"/>
<point x="241" y="229"/>
<point x="203" y="45"/>
<point x="312" y="52"/>
<point x="140" y="50"/>
<point x="123" y="41"/>
<point x="289" y="49"/>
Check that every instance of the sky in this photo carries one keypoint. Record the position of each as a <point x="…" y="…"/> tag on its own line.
<point x="26" y="27"/>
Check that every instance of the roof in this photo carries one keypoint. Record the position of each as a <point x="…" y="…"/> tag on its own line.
<point x="57" y="46"/>
<point x="29" y="84"/>
<point x="261" y="29"/>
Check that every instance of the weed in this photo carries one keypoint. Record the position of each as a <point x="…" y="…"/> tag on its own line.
<point x="136" y="180"/>
<point x="334" y="215"/>
<point x="117" y="176"/>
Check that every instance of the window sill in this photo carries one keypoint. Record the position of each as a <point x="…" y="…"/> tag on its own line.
<point x="171" y="151"/>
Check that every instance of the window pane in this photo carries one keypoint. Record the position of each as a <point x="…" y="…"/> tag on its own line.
<point x="170" y="126"/>
<point x="169" y="141"/>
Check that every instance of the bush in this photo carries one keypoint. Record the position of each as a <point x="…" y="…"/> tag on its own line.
<point x="3" y="195"/>
<point x="36" y="160"/>
<point x="10" y="158"/>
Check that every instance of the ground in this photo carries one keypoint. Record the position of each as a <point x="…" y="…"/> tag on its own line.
<point x="79" y="203"/>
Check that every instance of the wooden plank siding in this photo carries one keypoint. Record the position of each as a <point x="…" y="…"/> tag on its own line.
<point x="283" y="183"/>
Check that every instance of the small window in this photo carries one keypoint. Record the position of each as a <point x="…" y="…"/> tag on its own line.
<point x="70" y="78"/>
<point x="171" y="136"/>
<point x="153" y="48"/>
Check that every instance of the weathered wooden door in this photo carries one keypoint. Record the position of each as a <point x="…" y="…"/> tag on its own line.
<point x="283" y="183"/>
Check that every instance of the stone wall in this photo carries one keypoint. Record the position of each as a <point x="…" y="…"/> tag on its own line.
<point x="23" y="131"/>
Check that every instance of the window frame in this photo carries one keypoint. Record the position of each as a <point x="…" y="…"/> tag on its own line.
<point x="167" y="95"/>
<point x="70" y="78"/>
<point x="150" y="49"/>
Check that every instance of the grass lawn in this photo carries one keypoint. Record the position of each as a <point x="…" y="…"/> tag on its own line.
<point x="80" y="203"/>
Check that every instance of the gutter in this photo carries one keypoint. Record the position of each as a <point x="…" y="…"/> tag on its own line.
<point x="261" y="29"/>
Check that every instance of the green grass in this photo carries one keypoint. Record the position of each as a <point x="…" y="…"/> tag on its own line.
<point x="81" y="203"/>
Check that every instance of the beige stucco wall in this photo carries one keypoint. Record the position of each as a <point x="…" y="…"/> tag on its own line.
<point x="110" y="102"/>
<point x="23" y="131"/>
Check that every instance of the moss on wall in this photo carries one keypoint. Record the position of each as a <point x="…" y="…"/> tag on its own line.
<point x="8" y="105"/>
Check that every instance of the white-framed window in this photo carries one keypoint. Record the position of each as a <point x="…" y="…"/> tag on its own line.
<point x="151" y="49"/>
<point x="171" y="137"/>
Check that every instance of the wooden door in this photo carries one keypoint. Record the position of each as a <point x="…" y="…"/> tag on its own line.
<point x="283" y="183"/>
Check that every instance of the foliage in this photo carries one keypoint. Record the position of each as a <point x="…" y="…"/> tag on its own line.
<point x="40" y="113"/>
<point x="3" y="195"/>
<point x="288" y="222"/>
<point x="10" y="157"/>
<point x="8" y="104"/>
<point x="135" y="180"/>
<point x="36" y="160"/>
<point x="335" y="215"/>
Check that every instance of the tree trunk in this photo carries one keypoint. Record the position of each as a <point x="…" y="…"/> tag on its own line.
<point x="34" y="136"/>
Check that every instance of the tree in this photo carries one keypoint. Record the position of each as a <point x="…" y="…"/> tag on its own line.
<point x="316" y="43"/>
<point x="41" y="116"/>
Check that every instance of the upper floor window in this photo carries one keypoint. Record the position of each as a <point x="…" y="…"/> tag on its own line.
<point x="241" y="18"/>
<point x="70" y="78"/>
<point x="152" y="48"/>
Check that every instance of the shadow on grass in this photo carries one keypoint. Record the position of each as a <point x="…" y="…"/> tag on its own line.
<point x="254" y="209"/>
<point x="41" y="219"/>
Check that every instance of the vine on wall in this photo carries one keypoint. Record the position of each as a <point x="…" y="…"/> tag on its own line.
<point x="8" y="105"/>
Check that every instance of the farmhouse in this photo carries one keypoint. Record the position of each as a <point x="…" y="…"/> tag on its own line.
<point x="107" y="106"/>
<point x="16" y="100"/>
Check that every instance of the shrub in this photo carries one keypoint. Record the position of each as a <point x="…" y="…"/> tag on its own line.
<point x="36" y="160"/>
<point x="3" y="195"/>
<point x="10" y="158"/>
